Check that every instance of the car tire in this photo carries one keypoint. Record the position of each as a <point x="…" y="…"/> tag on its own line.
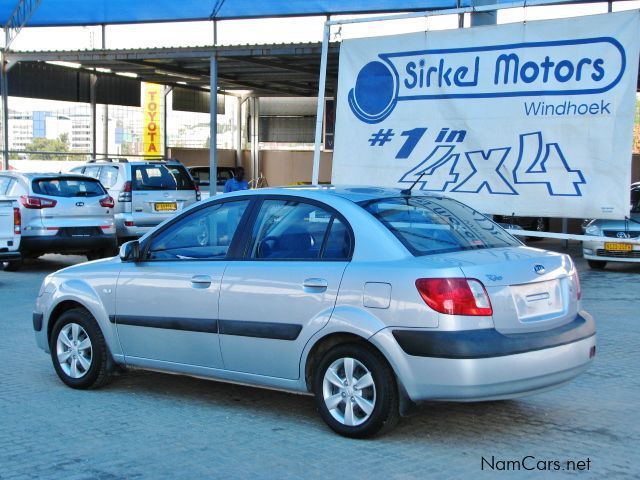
<point x="597" y="264"/>
<point x="68" y="336"/>
<point x="12" y="266"/>
<point x="357" y="412"/>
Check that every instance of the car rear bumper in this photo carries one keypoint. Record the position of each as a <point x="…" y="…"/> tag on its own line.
<point x="63" y="244"/>
<point x="452" y="366"/>
<point x="9" y="256"/>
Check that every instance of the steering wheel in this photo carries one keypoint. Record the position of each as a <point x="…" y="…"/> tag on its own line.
<point x="264" y="242"/>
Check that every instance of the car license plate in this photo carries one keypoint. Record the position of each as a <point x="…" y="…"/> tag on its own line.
<point x="536" y="301"/>
<point x="166" y="207"/>
<point x="618" y="247"/>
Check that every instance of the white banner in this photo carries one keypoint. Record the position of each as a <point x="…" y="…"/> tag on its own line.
<point x="530" y="119"/>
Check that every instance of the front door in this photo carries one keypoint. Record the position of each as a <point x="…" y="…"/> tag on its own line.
<point x="167" y="304"/>
<point x="285" y="288"/>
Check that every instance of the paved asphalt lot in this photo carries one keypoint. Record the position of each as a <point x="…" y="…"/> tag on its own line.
<point x="152" y="425"/>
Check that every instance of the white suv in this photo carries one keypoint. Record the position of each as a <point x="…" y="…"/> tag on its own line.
<point x="145" y="192"/>
<point x="61" y="213"/>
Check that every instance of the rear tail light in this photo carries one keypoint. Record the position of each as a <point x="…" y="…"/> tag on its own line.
<point x="455" y="296"/>
<point x="125" y="194"/>
<point x="37" y="202"/>
<point x="197" y="189"/>
<point x="129" y="223"/>
<point x="576" y="283"/>
<point x="107" y="202"/>
<point x="17" y="221"/>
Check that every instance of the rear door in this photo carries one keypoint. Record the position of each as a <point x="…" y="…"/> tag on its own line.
<point x="76" y="209"/>
<point x="159" y="191"/>
<point x="285" y="289"/>
<point x="9" y="224"/>
<point x="167" y="305"/>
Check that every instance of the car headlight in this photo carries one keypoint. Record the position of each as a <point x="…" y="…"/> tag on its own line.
<point x="593" y="230"/>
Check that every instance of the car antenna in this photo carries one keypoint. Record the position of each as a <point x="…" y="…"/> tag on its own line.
<point x="407" y="191"/>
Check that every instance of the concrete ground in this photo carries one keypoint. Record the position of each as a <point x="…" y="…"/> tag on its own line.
<point x="152" y="425"/>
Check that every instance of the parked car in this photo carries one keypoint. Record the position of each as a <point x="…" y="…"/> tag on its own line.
<point x="145" y="192"/>
<point x="61" y="213"/>
<point x="365" y="297"/>
<point x="201" y="176"/>
<point x="598" y="253"/>
<point x="533" y="224"/>
<point x="10" y="232"/>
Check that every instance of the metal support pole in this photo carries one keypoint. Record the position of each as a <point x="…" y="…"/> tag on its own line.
<point x="565" y="228"/>
<point x="165" y="135"/>
<point x="484" y="18"/>
<point x="239" y="132"/>
<point x="610" y="7"/>
<point x="213" y="124"/>
<point x="92" y="99"/>
<point x="256" y="139"/>
<point x="105" y="123"/>
<point x="4" y="85"/>
<point x="460" y="16"/>
<point x="320" y="108"/>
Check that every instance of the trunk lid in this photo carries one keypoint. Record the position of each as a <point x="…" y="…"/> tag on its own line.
<point x="530" y="289"/>
<point x="8" y="237"/>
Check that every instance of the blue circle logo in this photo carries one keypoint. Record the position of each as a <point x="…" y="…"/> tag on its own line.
<point x="374" y="96"/>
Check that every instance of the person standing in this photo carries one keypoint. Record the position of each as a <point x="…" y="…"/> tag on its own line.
<point x="237" y="182"/>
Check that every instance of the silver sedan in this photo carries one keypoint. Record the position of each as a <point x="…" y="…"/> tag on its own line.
<point x="369" y="299"/>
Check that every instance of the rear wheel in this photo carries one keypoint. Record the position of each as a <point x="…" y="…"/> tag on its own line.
<point x="78" y="350"/>
<point x="597" y="264"/>
<point x="355" y="391"/>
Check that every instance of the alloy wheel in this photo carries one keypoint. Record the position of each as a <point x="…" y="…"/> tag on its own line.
<point x="74" y="350"/>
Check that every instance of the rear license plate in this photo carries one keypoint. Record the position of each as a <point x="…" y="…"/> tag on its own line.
<point x="618" y="247"/>
<point x="166" y="207"/>
<point x="535" y="301"/>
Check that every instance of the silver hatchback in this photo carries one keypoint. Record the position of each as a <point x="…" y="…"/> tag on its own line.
<point x="370" y="299"/>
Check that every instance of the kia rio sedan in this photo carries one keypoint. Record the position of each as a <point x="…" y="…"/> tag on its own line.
<point x="370" y="299"/>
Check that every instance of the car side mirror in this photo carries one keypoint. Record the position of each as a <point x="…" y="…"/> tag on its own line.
<point x="130" y="251"/>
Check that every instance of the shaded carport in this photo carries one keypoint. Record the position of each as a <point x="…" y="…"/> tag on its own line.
<point x="262" y="70"/>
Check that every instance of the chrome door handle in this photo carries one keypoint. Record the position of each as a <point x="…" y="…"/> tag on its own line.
<point x="315" y="285"/>
<point x="201" y="281"/>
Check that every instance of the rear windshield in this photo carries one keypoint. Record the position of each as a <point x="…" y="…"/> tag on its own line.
<point x="160" y="177"/>
<point x="68" y="187"/>
<point x="429" y="225"/>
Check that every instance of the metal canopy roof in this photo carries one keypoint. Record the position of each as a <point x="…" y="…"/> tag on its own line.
<point x="103" y="12"/>
<point x="289" y="69"/>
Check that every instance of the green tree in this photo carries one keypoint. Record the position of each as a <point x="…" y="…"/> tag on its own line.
<point x="59" y="145"/>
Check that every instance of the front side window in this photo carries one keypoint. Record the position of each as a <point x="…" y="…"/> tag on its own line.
<point x="429" y="225"/>
<point x="160" y="177"/>
<point x="68" y="187"/>
<point x="291" y="230"/>
<point x="205" y="234"/>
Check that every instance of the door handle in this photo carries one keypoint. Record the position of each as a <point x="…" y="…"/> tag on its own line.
<point x="315" y="285"/>
<point x="201" y="281"/>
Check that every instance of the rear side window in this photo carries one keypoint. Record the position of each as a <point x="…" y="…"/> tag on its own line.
<point x="92" y="172"/>
<point x="160" y="177"/>
<point x="289" y="230"/>
<point x="68" y="187"/>
<point x="429" y="225"/>
<point x="109" y="176"/>
<point x="4" y="185"/>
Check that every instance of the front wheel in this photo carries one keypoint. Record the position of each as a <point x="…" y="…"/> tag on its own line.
<point x="78" y="350"/>
<point x="355" y="391"/>
<point x="597" y="264"/>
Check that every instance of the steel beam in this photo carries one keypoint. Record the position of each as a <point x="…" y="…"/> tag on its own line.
<point x="4" y="85"/>
<point x="18" y="19"/>
<point x="213" y="124"/>
<point x="315" y="174"/>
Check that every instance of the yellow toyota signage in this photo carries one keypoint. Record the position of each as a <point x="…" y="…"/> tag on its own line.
<point x="152" y="121"/>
